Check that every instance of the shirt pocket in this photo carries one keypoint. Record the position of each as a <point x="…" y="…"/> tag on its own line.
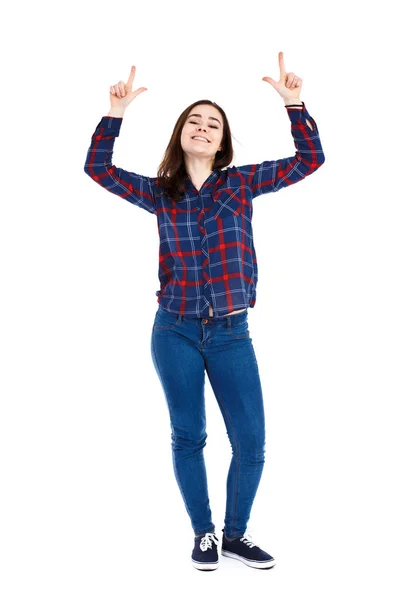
<point x="227" y="203"/>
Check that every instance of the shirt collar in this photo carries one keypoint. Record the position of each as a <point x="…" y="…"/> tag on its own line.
<point x="212" y="180"/>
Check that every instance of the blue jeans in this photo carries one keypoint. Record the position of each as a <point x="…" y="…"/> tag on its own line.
<point x="182" y="349"/>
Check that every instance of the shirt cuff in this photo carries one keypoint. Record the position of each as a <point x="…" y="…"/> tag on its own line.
<point x="111" y="125"/>
<point x="295" y="113"/>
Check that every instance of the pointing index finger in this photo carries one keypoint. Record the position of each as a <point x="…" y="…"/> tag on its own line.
<point x="131" y="77"/>
<point x="282" y="71"/>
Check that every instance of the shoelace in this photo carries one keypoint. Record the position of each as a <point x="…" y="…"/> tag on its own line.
<point x="206" y="541"/>
<point x="247" y="540"/>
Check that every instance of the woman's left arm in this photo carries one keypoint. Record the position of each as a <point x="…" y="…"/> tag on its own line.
<point x="273" y="175"/>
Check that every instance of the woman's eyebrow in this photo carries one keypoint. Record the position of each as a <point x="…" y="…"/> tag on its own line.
<point x="197" y="115"/>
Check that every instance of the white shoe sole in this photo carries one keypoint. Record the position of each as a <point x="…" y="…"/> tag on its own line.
<point x="205" y="566"/>
<point x="267" y="564"/>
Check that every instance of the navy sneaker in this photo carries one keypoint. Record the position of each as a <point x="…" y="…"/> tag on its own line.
<point x="244" y="549"/>
<point x="205" y="552"/>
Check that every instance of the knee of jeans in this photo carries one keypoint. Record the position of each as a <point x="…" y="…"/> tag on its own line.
<point x="253" y="457"/>
<point x="190" y="441"/>
<point x="252" y="449"/>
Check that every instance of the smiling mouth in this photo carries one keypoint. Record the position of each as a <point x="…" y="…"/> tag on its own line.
<point x="200" y="140"/>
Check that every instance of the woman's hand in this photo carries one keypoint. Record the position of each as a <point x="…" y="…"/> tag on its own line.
<point x="121" y="94"/>
<point x="289" y="85"/>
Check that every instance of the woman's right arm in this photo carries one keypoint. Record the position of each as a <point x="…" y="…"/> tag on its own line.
<point x="135" y="188"/>
<point x="116" y="111"/>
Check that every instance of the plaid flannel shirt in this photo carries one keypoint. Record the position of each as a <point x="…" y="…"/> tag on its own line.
<point x="206" y="253"/>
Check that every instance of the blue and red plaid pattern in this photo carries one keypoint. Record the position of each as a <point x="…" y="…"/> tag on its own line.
<point x="206" y="254"/>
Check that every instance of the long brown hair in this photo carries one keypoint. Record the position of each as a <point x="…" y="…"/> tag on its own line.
<point x="172" y="171"/>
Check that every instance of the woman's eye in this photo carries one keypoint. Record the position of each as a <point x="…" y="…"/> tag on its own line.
<point x="194" y="122"/>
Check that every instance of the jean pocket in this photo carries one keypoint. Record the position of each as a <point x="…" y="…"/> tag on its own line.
<point x="238" y="328"/>
<point x="166" y="320"/>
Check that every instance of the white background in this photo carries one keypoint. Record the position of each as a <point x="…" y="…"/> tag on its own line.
<point x="89" y="505"/>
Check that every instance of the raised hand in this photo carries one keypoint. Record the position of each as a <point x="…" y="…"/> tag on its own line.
<point x="289" y="84"/>
<point x="121" y="94"/>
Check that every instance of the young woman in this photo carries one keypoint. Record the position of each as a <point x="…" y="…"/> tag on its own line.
<point x="208" y="278"/>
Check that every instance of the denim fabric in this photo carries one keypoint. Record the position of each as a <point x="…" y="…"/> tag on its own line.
<point x="183" y="348"/>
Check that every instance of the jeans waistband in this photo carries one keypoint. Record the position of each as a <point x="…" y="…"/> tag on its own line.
<point x="207" y="318"/>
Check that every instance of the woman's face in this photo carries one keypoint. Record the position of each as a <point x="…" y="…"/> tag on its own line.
<point x="205" y="121"/>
